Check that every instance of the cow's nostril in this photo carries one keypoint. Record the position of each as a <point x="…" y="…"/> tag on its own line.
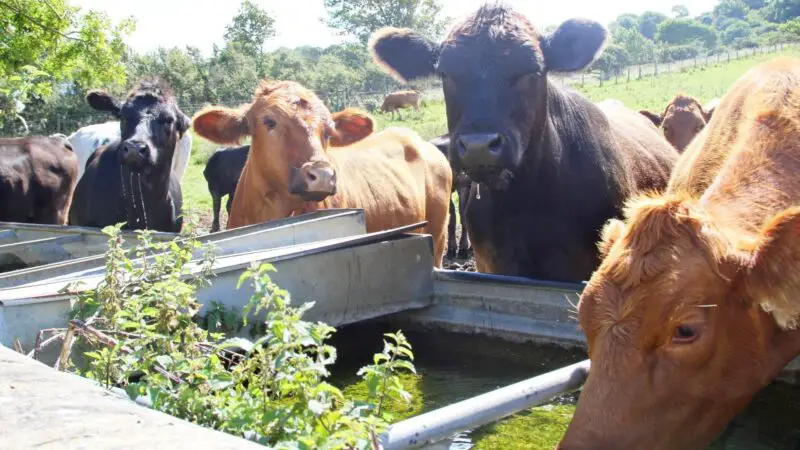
<point x="496" y="144"/>
<point x="312" y="177"/>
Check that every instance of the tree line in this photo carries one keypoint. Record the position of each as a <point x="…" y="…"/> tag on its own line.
<point x="51" y="53"/>
<point x="653" y="37"/>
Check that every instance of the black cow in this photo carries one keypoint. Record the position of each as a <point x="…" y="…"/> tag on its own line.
<point x="461" y="185"/>
<point x="131" y="180"/>
<point x="222" y="175"/>
<point x="37" y="179"/>
<point x="548" y="166"/>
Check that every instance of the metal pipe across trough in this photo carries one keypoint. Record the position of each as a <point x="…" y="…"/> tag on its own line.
<point x="492" y="406"/>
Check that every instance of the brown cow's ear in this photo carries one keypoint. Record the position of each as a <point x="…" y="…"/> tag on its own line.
<point x="404" y="54"/>
<point x="352" y="125"/>
<point x="772" y="275"/>
<point x="574" y="45"/>
<point x="611" y="232"/>
<point x="221" y="125"/>
<point x="655" y="118"/>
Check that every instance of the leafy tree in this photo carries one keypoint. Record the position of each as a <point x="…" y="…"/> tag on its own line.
<point x="627" y="21"/>
<point x="684" y="31"/>
<point x="44" y="44"/>
<point x="782" y="10"/>
<point x="359" y="18"/>
<point x="755" y="4"/>
<point x="706" y="18"/>
<point x="639" y="49"/>
<point x="738" y="35"/>
<point x="791" y="28"/>
<point x="613" y="60"/>
<point x="648" y="23"/>
<point x="733" y="9"/>
<point x="680" y="11"/>
<point x="249" y="30"/>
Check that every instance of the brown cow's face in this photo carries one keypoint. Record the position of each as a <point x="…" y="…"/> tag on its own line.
<point x="682" y="123"/>
<point x="678" y="343"/>
<point x="494" y="68"/>
<point x="291" y="131"/>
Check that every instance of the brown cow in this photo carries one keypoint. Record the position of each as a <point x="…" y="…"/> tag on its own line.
<point x="399" y="100"/>
<point x="37" y="179"/>
<point x="395" y="176"/>
<point x="682" y="119"/>
<point x="695" y="306"/>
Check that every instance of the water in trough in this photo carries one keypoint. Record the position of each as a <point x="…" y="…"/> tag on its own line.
<point x="453" y="367"/>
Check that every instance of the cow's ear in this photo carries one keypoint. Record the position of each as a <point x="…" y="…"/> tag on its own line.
<point x="574" y="45"/>
<point x="708" y="113"/>
<point x="103" y="101"/>
<point x="221" y="125"/>
<point x="352" y="125"/>
<point x="655" y="118"/>
<point x="772" y="273"/>
<point x="611" y="232"/>
<point x="404" y="54"/>
<point x="442" y="143"/>
<point x="182" y="123"/>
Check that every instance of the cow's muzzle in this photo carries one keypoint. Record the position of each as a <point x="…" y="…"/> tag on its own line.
<point x="313" y="181"/>
<point x="135" y="154"/>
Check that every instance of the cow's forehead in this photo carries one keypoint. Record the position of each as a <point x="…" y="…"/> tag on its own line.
<point x="508" y="43"/>
<point x="146" y="105"/>
<point x="292" y="105"/>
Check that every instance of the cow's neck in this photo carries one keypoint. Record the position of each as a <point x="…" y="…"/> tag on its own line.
<point x="141" y="192"/>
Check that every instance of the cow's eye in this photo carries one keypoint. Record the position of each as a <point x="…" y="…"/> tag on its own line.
<point x="270" y="123"/>
<point x="685" y="334"/>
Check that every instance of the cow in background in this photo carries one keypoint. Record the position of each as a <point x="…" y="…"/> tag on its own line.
<point x="131" y="180"/>
<point x="682" y="119"/>
<point x="37" y="179"/>
<point x="395" y="176"/>
<point x="91" y="137"/>
<point x="399" y="100"/>
<point x="222" y="173"/>
<point x="549" y="167"/>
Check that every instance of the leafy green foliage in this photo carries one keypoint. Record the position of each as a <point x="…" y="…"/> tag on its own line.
<point x="44" y="43"/>
<point x="732" y="9"/>
<point x="250" y="28"/>
<point x="272" y="390"/>
<point x="680" y="11"/>
<point x="648" y="23"/>
<point x="684" y="31"/>
<point x="359" y="18"/>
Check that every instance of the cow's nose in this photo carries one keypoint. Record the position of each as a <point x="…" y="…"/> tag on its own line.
<point x="480" y="149"/>
<point x="138" y="147"/>
<point x="320" y="178"/>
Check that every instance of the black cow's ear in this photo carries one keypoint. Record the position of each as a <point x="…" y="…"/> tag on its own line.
<point x="103" y="101"/>
<point x="574" y="45"/>
<point x="404" y="54"/>
<point x="183" y="122"/>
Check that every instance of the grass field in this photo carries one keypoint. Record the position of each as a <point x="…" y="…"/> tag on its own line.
<point x="429" y="121"/>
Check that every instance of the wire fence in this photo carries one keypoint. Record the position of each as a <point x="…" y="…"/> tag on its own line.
<point x="659" y="68"/>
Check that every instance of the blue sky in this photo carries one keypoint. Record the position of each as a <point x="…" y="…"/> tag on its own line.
<point x="201" y="23"/>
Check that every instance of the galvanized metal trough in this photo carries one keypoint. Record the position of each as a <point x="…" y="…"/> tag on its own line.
<point x="327" y="257"/>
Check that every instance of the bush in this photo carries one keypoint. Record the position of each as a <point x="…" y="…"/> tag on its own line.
<point x="141" y="324"/>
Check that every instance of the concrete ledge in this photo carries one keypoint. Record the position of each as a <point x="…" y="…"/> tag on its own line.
<point x="43" y="408"/>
